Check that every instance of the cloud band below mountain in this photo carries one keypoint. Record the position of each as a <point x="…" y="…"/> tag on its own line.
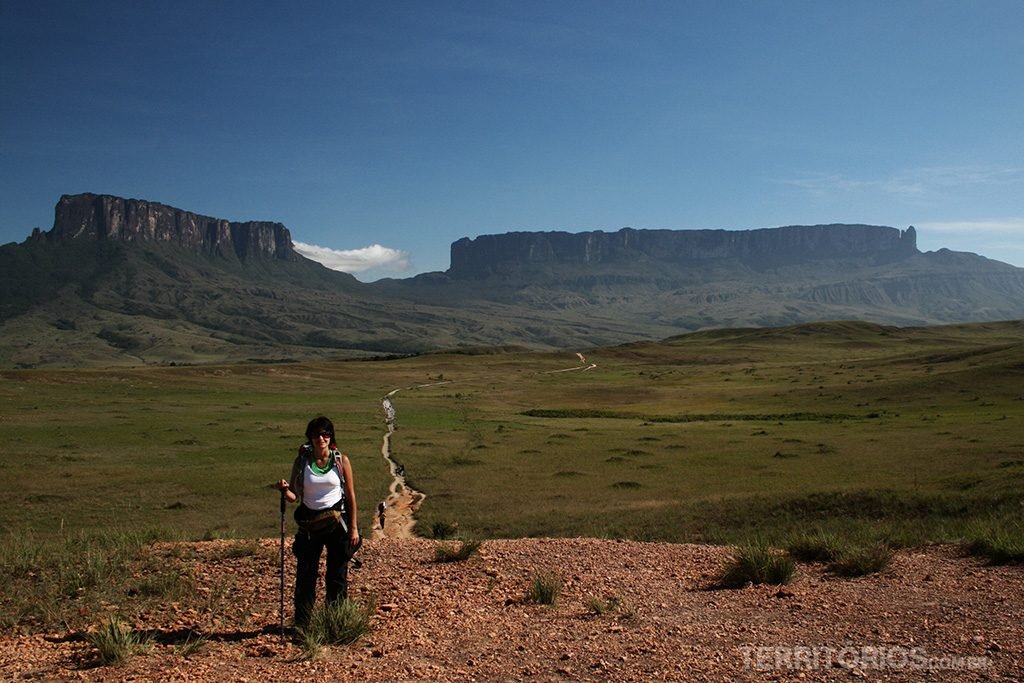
<point x="356" y="260"/>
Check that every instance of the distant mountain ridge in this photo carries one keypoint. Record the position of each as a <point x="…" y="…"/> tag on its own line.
<point x="125" y="281"/>
<point x="494" y="254"/>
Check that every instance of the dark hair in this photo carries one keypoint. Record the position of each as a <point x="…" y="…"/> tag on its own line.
<point x="317" y="425"/>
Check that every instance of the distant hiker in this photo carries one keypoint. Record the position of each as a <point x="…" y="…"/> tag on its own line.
<point x="322" y="480"/>
<point x="381" y="508"/>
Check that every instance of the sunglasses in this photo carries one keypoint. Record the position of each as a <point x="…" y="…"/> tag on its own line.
<point x="326" y="435"/>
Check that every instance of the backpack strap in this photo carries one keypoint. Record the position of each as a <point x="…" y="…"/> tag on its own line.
<point x="338" y="461"/>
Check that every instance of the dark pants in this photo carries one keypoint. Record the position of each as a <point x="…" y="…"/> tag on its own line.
<point x="307" y="553"/>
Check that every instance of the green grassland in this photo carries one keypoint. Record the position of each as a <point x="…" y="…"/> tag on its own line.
<point x="910" y="435"/>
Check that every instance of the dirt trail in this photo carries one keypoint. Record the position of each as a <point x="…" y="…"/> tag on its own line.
<point x="395" y="516"/>
<point x="584" y="366"/>
<point x="400" y="507"/>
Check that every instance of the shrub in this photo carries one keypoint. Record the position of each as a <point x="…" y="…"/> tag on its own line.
<point x="115" y="642"/>
<point x="545" y="588"/>
<point x="756" y="563"/>
<point x="862" y="560"/>
<point x="446" y="552"/>
<point x="339" y="623"/>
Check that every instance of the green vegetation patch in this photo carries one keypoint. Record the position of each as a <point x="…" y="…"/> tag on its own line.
<point x="999" y="543"/>
<point x="566" y="413"/>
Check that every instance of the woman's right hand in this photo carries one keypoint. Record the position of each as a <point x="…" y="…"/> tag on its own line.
<point x="282" y="485"/>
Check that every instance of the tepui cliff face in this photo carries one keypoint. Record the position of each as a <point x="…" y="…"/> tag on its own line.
<point x="490" y="254"/>
<point x="120" y="279"/>
<point x="107" y="218"/>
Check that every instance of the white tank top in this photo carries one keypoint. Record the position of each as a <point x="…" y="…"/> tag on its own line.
<point x="321" y="491"/>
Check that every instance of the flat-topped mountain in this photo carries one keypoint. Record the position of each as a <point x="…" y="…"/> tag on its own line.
<point x="131" y="281"/>
<point x="501" y="254"/>
<point x="108" y="218"/>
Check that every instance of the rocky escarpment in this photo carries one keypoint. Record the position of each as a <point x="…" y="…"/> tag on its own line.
<point x="107" y="218"/>
<point x="496" y="254"/>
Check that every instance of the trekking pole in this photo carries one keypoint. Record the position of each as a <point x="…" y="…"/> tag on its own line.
<point x="281" y="609"/>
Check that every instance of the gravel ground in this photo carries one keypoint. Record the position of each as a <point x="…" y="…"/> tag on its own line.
<point x="933" y="615"/>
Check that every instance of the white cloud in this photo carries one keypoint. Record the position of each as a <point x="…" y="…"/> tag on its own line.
<point x="356" y="260"/>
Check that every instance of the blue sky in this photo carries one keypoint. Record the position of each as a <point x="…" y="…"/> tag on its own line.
<point x="380" y="132"/>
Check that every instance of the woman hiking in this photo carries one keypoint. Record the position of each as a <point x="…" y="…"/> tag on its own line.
<point x="322" y="483"/>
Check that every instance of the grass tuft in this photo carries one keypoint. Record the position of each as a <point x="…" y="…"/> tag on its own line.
<point x="998" y="544"/>
<point x="242" y="548"/>
<point x="545" y="588"/>
<point x="340" y="623"/>
<point x="862" y="560"/>
<point x="192" y="645"/>
<point x="443" y="530"/>
<point x="601" y="607"/>
<point x="820" y="546"/>
<point x="447" y="552"/>
<point x="115" y="642"/>
<point x="756" y="563"/>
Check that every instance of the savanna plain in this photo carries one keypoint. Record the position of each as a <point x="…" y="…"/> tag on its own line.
<point x="132" y="494"/>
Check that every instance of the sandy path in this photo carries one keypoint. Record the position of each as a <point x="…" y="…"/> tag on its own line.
<point x="399" y="509"/>
<point x="584" y="366"/>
